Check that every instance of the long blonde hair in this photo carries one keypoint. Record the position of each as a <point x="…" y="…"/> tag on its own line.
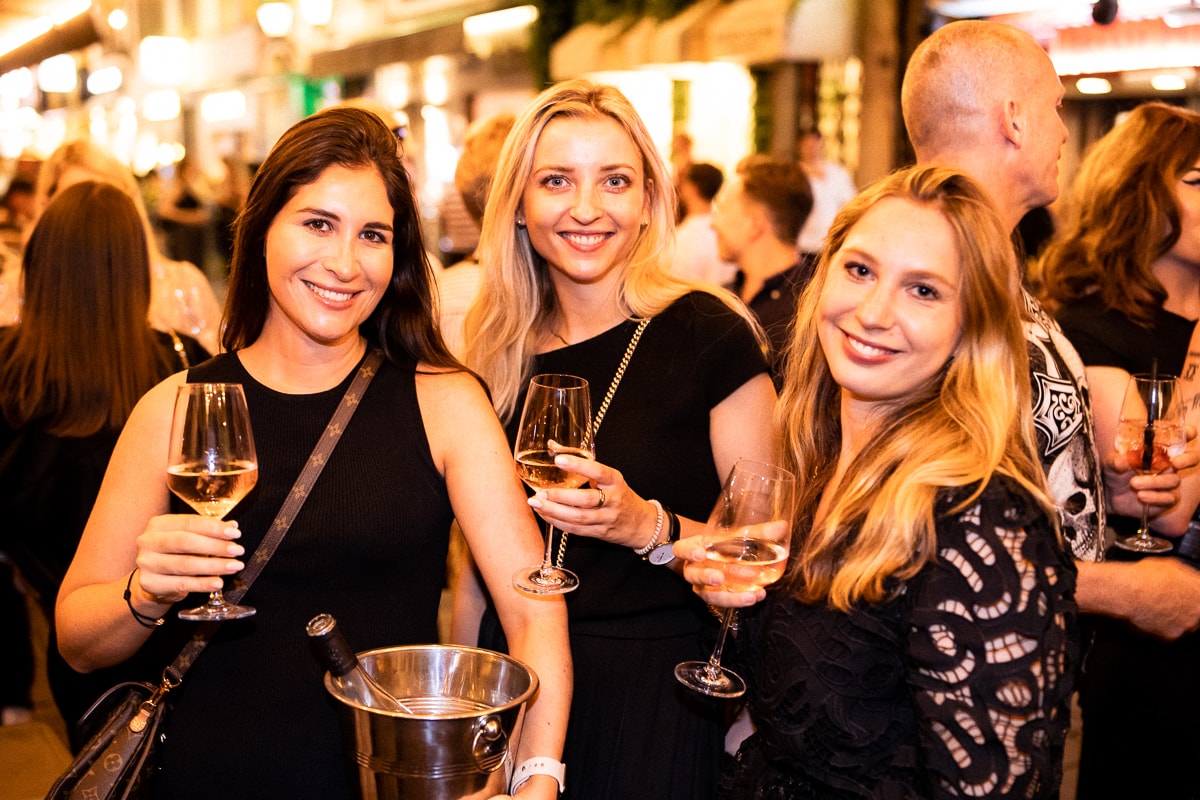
<point x="968" y="422"/>
<point x="516" y="298"/>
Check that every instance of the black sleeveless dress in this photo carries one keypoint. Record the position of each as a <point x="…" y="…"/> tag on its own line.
<point x="252" y="718"/>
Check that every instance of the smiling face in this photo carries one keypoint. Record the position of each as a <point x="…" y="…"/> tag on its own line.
<point x="585" y="200"/>
<point x="329" y="256"/>
<point x="890" y="314"/>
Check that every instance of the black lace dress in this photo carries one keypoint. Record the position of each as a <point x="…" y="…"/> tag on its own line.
<point x="959" y="687"/>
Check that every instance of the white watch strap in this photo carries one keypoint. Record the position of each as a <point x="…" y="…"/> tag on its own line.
<point x="540" y="766"/>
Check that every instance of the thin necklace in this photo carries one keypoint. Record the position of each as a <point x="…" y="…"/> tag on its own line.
<point x="558" y="336"/>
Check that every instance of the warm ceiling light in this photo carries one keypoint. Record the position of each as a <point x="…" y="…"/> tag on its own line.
<point x="118" y="19"/>
<point x="1093" y="86"/>
<point x="58" y="74"/>
<point x="223" y="106"/>
<point x="275" y="19"/>
<point x="1168" y="83"/>
<point x="164" y="60"/>
<point x="316" y="12"/>
<point x="104" y="80"/>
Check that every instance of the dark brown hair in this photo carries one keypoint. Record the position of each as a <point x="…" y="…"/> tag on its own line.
<point x="348" y="137"/>
<point x="83" y="352"/>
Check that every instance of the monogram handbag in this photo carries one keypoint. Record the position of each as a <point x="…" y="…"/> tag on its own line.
<point x="119" y="760"/>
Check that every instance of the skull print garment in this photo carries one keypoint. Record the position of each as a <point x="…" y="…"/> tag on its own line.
<point x="1066" y="435"/>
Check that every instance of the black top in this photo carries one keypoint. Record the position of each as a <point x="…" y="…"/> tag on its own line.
<point x="775" y="306"/>
<point x="656" y="432"/>
<point x="634" y="730"/>
<point x="49" y="483"/>
<point x="252" y="718"/>
<point x="1107" y="338"/>
<point x="864" y="704"/>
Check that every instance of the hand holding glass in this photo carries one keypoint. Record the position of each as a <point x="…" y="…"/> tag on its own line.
<point x="1150" y="432"/>
<point x="556" y="420"/>
<point x="747" y="537"/>
<point x="212" y="465"/>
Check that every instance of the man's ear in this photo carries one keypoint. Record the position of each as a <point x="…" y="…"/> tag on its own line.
<point x="1013" y="123"/>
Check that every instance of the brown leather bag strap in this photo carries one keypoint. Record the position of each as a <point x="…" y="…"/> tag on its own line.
<point x="287" y="512"/>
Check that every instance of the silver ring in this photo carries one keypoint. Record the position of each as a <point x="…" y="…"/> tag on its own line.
<point x="601" y="503"/>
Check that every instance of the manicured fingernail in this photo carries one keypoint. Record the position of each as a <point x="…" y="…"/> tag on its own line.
<point x="535" y="502"/>
<point x="234" y="550"/>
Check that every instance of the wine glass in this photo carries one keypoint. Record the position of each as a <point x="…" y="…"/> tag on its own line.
<point x="747" y="537"/>
<point x="212" y="465"/>
<point x="1150" y="432"/>
<point x="556" y="420"/>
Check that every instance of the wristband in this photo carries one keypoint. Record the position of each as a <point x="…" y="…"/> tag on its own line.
<point x="658" y="509"/>
<point x="145" y="620"/>
<point x="539" y="766"/>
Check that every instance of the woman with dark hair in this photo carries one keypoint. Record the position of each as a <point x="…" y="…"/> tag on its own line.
<point x="328" y="264"/>
<point x="70" y="374"/>
<point x="1124" y="279"/>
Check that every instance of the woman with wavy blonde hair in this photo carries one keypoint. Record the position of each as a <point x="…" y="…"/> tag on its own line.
<point x="575" y="251"/>
<point x="919" y="643"/>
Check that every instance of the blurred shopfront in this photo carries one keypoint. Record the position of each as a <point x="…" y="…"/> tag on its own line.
<point x="222" y="79"/>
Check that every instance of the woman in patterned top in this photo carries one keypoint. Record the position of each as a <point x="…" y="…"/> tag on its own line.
<point x="921" y="642"/>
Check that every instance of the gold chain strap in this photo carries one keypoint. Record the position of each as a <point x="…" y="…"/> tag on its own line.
<point x="612" y="390"/>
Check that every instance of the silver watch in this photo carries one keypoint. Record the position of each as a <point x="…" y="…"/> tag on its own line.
<point x="663" y="554"/>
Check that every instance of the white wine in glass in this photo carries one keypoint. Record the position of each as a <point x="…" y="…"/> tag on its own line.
<point x="556" y="420"/>
<point x="212" y="465"/>
<point x="747" y="538"/>
<point x="1150" y="431"/>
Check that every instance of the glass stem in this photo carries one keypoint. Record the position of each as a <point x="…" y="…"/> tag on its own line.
<point x="546" y="564"/>
<point x="1144" y="531"/>
<point x="714" y="660"/>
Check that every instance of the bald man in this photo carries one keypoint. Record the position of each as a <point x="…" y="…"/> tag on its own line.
<point x="983" y="97"/>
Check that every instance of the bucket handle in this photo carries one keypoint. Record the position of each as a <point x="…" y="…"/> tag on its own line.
<point x="491" y="744"/>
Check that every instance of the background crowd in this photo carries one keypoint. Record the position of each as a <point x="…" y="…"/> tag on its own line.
<point x="946" y="395"/>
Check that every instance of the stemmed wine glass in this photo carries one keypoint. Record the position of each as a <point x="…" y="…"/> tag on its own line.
<point x="1150" y="432"/>
<point x="747" y="537"/>
<point x="212" y="465"/>
<point x="556" y="420"/>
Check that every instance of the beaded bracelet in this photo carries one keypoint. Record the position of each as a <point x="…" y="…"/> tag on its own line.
<point x="145" y="620"/>
<point x="658" y="508"/>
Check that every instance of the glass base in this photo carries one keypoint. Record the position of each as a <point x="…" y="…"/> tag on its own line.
<point x="1144" y="544"/>
<point x="700" y="676"/>
<point x="546" y="580"/>
<point x="216" y="610"/>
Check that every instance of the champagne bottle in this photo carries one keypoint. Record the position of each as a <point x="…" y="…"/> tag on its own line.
<point x="345" y="673"/>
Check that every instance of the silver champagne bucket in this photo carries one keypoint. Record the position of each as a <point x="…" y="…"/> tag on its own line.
<point x="466" y="702"/>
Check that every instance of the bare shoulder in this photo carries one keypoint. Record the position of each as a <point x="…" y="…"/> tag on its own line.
<point x="452" y="399"/>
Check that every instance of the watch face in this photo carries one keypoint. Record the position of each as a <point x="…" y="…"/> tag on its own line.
<point x="663" y="554"/>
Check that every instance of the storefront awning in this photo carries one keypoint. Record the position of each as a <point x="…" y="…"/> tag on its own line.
<point x="765" y="31"/>
<point x="74" y="34"/>
<point x="585" y="48"/>
<point x="681" y="38"/>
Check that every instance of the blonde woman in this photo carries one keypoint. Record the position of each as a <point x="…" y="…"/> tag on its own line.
<point x="576" y="251"/>
<point x="181" y="297"/>
<point x="920" y="643"/>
